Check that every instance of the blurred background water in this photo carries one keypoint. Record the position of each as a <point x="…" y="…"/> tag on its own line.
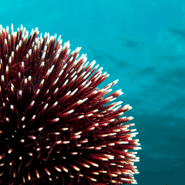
<point x="139" y="42"/>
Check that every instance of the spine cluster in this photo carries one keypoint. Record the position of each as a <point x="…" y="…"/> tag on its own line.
<point x="56" y="125"/>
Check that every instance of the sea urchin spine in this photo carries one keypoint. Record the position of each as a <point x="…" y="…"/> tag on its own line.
<point x="56" y="125"/>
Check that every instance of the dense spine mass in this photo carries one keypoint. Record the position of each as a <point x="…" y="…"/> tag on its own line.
<point x="56" y="126"/>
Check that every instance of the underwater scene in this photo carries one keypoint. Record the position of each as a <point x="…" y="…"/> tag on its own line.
<point x="92" y="92"/>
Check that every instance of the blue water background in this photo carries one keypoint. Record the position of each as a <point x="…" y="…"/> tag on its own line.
<point x="139" y="42"/>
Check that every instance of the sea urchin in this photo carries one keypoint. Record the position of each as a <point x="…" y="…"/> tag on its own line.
<point x="56" y="126"/>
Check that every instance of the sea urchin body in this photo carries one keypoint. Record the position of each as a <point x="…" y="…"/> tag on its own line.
<point x="56" y="125"/>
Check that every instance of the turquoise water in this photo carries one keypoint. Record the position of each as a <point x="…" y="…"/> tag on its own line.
<point x="141" y="43"/>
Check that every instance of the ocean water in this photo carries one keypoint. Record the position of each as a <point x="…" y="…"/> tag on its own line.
<point x="141" y="43"/>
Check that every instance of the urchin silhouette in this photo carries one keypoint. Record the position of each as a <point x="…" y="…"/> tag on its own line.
<point x="56" y="125"/>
